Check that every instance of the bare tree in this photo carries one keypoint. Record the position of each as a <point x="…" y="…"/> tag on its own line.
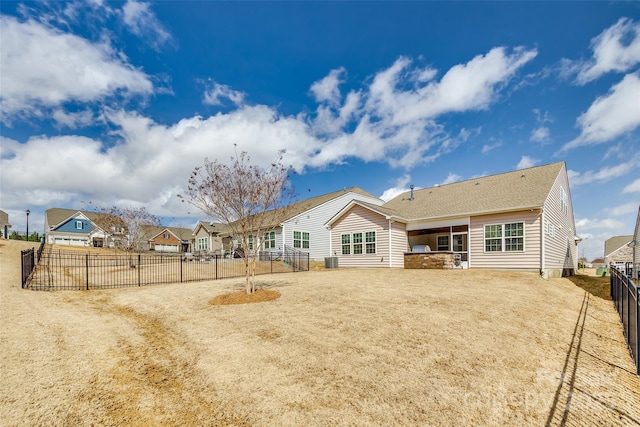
<point x="126" y="225"/>
<point x="249" y="199"/>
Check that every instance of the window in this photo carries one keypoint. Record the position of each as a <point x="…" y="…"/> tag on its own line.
<point x="370" y="240"/>
<point x="270" y="240"/>
<point x="514" y="237"/>
<point x="165" y="235"/>
<point x="78" y="225"/>
<point x="250" y="242"/>
<point x="564" y="199"/>
<point x="504" y="237"/>
<point x="301" y="240"/>
<point x="359" y="243"/>
<point x="549" y="229"/>
<point x="493" y="238"/>
<point x="203" y="243"/>
<point x="443" y="243"/>
<point x="346" y="244"/>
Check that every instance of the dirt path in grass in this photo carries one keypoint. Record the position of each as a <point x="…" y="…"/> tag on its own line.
<point x="339" y="347"/>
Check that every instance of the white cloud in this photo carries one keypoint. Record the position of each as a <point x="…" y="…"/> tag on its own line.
<point x="489" y="147"/>
<point x="611" y="115"/>
<point x="616" y="49"/>
<point x="41" y="67"/>
<point x="540" y="134"/>
<point x="595" y="224"/>
<point x="400" y="187"/>
<point x="451" y="178"/>
<point x="526" y="162"/>
<point x="327" y="89"/>
<point x="215" y="94"/>
<point x="465" y="87"/>
<point x="604" y="174"/>
<point x="634" y="187"/>
<point x="627" y="208"/>
<point x="142" y="22"/>
<point x="399" y="124"/>
<point x="72" y="120"/>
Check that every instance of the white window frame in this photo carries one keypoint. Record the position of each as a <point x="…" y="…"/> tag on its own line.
<point x="503" y="237"/>
<point x="564" y="200"/>
<point x="270" y="239"/>
<point x="549" y="229"/>
<point x="302" y="241"/>
<point x="79" y="225"/>
<point x="359" y="243"/>
<point x="203" y="243"/>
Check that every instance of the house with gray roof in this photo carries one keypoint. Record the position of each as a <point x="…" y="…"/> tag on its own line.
<point x="167" y="239"/>
<point x="304" y="227"/>
<point x="208" y="237"/>
<point x="72" y="227"/>
<point x="521" y="220"/>
<point x="617" y="251"/>
<point x="4" y="224"/>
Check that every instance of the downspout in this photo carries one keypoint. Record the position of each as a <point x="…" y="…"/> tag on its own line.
<point x="469" y="243"/>
<point x="390" y="263"/>
<point x="330" y="242"/>
<point x="542" y="244"/>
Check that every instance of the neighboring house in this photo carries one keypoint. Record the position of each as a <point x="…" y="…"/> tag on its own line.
<point x="168" y="239"/>
<point x="76" y="228"/>
<point x="617" y="251"/>
<point x="635" y="246"/>
<point x="304" y="228"/>
<point x="521" y="220"/>
<point x="4" y="224"/>
<point x="208" y="237"/>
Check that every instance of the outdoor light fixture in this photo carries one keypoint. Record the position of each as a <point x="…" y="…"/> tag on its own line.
<point x="27" y="212"/>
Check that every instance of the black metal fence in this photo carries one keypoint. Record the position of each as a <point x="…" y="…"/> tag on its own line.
<point x="624" y="293"/>
<point x="29" y="260"/>
<point x="71" y="270"/>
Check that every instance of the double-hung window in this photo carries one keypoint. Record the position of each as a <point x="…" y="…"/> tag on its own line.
<point x="504" y="237"/>
<point x="370" y="239"/>
<point x="78" y="225"/>
<point x="443" y="243"/>
<point x="270" y="240"/>
<point x="301" y="240"/>
<point x="345" y="240"/>
<point x="358" y="243"/>
<point x="202" y="243"/>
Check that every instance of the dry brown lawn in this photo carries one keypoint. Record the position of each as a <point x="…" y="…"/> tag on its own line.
<point x="338" y="347"/>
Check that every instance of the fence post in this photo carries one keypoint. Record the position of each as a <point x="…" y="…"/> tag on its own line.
<point x="637" y="328"/>
<point x="86" y="264"/>
<point x="271" y="261"/>
<point x="181" y="268"/>
<point x="216" y="256"/>
<point x="138" y="269"/>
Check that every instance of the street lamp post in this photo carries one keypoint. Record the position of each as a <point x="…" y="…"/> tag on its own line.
<point x="28" y="212"/>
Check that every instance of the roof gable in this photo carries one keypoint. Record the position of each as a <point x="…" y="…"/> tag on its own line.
<point x="150" y="232"/>
<point x="380" y="210"/>
<point x="524" y="188"/>
<point x="615" y="243"/>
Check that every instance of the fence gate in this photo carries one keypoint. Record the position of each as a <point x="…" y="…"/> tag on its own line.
<point x="627" y="302"/>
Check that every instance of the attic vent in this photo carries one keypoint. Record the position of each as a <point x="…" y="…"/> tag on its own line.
<point x="411" y="187"/>
<point x="522" y="176"/>
<point x="477" y="182"/>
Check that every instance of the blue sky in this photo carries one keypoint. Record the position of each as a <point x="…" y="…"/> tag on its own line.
<point x="116" y="103"/>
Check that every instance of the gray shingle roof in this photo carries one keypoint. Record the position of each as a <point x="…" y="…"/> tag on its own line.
<point x="524" y="188"/>
<point x="4" y="219"/>
<point x="150" y="231"/>
<point x="616" y="242"/>
<point x="55" y="216"/>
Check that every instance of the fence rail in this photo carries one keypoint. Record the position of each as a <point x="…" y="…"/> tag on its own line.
<point x="626" y="298"/>
<point x="69" y="270"/>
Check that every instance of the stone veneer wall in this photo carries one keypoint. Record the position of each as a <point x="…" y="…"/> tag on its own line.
<point x="431" y="260"/>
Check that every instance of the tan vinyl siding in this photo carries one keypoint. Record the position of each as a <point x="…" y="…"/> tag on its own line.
<point x="359" y="219"/>
<point x="313" y="222"/>
<point x="529" y="259"/>
<point x="562" y="223"/>
<point x="399" y="244"/>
